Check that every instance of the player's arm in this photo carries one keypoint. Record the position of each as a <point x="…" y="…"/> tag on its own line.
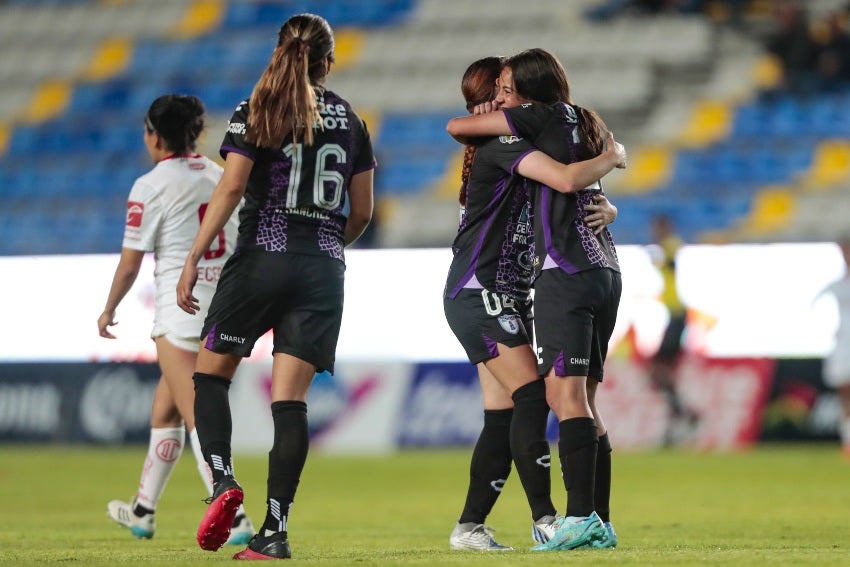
<point x="569" y="178"/>
<point x="361" y="204"/>
<point x="225" y="198"/>
<point x="464" y="128"/>
<point x="123" y="279"/>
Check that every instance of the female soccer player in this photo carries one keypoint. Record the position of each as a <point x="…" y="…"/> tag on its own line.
<point x="487" y="304"/>
<point x="836" y="365"/>
<point x="295" y="151"/>
<point x="163" y="213"/>
<point x="578" y="285"/>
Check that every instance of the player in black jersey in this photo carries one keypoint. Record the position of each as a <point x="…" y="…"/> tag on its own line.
<point x="297" y="152"/>
<point x="488" y="307"/>
<point x="578" y="286"/>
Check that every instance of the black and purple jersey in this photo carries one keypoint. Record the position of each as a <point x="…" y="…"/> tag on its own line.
<point x="492" y="246"/>
<point x="295" y="197"/>
<point x="562" y="239"/>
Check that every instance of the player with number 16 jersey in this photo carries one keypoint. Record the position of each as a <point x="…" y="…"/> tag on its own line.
<point x="295" y="196"/>
<point x="296" y="153"/>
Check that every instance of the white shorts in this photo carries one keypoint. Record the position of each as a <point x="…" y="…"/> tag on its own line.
<point x="836" y="368"/>
<point x="192" y="344"/>
<point x="180" y="328"/>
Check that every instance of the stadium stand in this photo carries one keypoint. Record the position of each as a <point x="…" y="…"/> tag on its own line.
<point x="685" y="92"/>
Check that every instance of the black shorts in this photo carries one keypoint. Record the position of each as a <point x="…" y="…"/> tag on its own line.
<point x="481" y="320"/>
<point x="299" y="296"/>
<point x="574" y="319"/>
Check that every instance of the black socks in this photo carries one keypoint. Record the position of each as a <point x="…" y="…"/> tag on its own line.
<point x="577" y="450"/>
<point x="213" y="422"/>
<point x="489" y="467"/>
<point x="530" y="447"/>
<point x="286" y="460"/>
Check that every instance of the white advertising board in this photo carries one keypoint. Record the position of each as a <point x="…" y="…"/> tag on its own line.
<point x="753" y="300"/>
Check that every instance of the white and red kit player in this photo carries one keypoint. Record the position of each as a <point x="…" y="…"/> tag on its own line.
<point x="164" y="211"/>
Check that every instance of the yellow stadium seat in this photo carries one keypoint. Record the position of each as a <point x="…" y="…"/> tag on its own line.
<point x="348" y="46"/>
<point x="710" y="121"/>
<point x="768" y="72"/>
<point x="5" y="137"/>
<point x="773" y="208"/>
<point x="112" y="58"/>
<point x="51" y="100"/>
<point x="201" y="17"/>
<point x="649" y="167"/>
<point x="448" y="185"/>
<point x="831" y="165"/>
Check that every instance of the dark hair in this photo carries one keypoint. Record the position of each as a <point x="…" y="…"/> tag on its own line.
<point x="284" y="99"/>
<point x="478" y="85"/>
<point x="177" y="119"/>
<point x="540" y="77"/>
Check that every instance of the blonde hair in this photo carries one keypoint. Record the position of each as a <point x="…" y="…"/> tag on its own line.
<point x="284" y="100"/>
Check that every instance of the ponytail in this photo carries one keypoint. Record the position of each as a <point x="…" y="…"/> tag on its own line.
<point x="468" y="157"/>
<point x="590" y="130"/>
<point x="284" y="100"/>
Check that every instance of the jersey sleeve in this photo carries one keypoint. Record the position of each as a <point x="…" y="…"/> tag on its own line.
<point x="234" y="138"/>
<point x="506" y="151"/>
<point x="526" y="120"/>
<point x="365" y="159"/>
<point x="144" y="216"/>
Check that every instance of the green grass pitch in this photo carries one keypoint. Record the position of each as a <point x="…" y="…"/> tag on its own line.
<point x="775" y="505"/>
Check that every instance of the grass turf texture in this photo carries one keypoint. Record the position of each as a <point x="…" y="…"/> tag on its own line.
<point x="783" y="505"/>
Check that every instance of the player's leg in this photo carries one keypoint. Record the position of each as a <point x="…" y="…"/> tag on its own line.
<point x="291" y="379"/>
<point x="843" y="392"/>
<point x="164" y="449"/>
<point x="488" y="469"/>
<point x="214" y="425"/>
<point x="603" y="327"/>
<point x="177" y="358"/>
<point x="529" y="446"/>
<point x="564" y="326"/>
<point x="305" y="339"/>
<point x="602" y="485"/>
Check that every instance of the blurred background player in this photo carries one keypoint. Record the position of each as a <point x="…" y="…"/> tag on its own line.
<point x="836" y="369"/>
<point x="662" y="365"/>
<point x="164" y="210"/>
<point x="488" y="306"/>
<point x="297" y="152"/>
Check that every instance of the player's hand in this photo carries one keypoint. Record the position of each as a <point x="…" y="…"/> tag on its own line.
<point x="188" y="278"/>
<point x="485" y="107"/>
<point x="618" y="149"/>
<point x="601" y="213"/>
<point x="106" y="319"/>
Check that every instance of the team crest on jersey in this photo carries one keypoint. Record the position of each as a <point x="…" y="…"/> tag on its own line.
<point x="510" y="323"/>
<point x="135" y="211"/>
<point x="509" y="139"/>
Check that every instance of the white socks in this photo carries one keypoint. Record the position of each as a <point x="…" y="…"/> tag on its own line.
<point x="203" y="467"/>
<point x="164" y="449"/>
